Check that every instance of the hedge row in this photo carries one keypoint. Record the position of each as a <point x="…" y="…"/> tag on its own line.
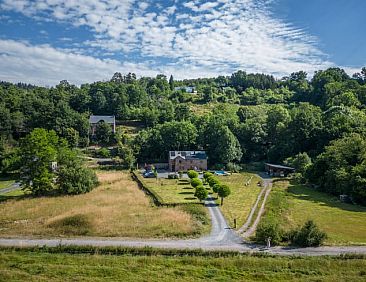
<point x="158" y="201"/>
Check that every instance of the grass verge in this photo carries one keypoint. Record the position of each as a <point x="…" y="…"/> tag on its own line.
<point x="153" y="265"/>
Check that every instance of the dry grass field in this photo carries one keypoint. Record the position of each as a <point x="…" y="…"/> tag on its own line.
<point x="116" y="208"/>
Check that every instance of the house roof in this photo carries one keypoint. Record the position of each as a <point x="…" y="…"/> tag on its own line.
<point x="188" y="155"/>
<point x="280" y="166"/>
<point x="106" y="119"/>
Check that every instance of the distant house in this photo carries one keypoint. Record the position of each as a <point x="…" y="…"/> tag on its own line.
<point x="278" y="170"/>
<point x="186" y="160"/>
<point x="188" y="89"/>
<point x="94" y="120"/>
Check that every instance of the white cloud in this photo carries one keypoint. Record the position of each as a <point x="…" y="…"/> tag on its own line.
<point x="214" y="37"/>
<point x="44" y="65"/>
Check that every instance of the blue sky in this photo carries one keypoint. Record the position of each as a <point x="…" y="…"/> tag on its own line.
<point x="45" y="41"/>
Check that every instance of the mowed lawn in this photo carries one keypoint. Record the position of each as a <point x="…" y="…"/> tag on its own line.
<point x="5" y="183"/>
<point x="172" y="190"/>
<point x="344" y="223"/>
<point x="116" y="208"/>
<point x="240" y="202"/>
<point x="28" y="266"/>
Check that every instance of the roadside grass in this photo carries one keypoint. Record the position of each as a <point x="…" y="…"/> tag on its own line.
<point x="172" y="190"/>
<point x="242" y="198"/>
<point x="43" y="266"/>
<point x="115" y="208"/>
<point x="5" y="182"/>
<point x="345" y="224"/>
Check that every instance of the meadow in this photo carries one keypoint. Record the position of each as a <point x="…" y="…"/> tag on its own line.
<point x="116" y="208"/>
<point x="345" y="224"/>
<point x="43" y="266"/>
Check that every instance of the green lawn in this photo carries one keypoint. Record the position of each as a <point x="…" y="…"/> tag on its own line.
<point x="344" y="223"/>
<point x="43" y="266"/>
<point x="6" y="183"/>
<point x="172" y="190"/>
<point x="242" y="198"/>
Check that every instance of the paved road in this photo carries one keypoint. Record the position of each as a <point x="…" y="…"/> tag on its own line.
<point x="12" y="187"/>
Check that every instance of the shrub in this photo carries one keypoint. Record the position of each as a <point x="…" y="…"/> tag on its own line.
<point x="192" y="174"/>
<point x="207" y="174"/>
<point x="196" y="182"/>
<point x="173" y="176"/>
<point x="268" y="228"/>
<point x="309" y="235"/>
<point x="104" y="153"/>
<point x="233" y="167"/>
<point x="216" y="188"/>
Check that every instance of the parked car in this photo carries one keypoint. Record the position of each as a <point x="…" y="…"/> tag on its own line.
<point x="149" y="174"/>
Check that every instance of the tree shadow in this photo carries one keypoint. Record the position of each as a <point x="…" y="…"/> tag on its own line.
<point x="188" y="188"/>
<point x="190" y="198"/>
<point x="307" y="193"/>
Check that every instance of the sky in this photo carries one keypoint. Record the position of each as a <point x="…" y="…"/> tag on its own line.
<point x="45" y="41"/>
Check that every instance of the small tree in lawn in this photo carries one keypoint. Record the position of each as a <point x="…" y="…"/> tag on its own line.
<point x="223" y="192"/>
<point x="206" y="175"/>
<point x="212" y="181"/>
<point x="216" y="188"/>
<point x="192" y="174"/>
<point x="201" y="193"/>
<point x="195" y="182"/>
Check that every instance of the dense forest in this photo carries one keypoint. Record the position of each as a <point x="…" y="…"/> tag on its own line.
<point x="317" y="125"/>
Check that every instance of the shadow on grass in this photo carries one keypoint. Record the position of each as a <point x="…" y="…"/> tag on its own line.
<point x="190" y="198"/>
<point x="305" y="193"/>
<point x="211" y="205"/>
<point x="188" y="188"/>
<point x="186" y="193"/>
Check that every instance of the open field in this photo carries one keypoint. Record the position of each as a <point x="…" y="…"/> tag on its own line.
<point x="344" y="223"/>
<point x="242" y="198"/>
<point x="44" y="266"/>
<point x="172" y="190"/>
<point x="116" y="208"/>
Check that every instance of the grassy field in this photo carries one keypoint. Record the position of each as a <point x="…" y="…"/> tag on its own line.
<point x="116" y="208"/>
<point x="172" y="190"/>
<point x="344" y="223"/>
<point x="242" y="198"/>
<point x="43" y="266"/>
<point x="6" y="182"/>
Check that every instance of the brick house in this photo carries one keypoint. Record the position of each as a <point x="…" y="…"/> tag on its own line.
<point x="186" y="160"/>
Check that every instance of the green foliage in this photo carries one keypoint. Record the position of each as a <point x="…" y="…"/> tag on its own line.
<point x="201" y="193"/>
<point x="233" y="167"/>
<point x="212" y="180"/>
<point x="301" y="162"/>
<point x="216" y="188"/>
<point x="268" y="228"/>
<point x="207" y="175"/>
<point x="192" y="174"/>
<point x="223" y="192"/>
<point x="195" y="182"/>
<point x="104" y="153"/>
<point x="76" y="179"/>
<point x="103" y="133"/>
<point x="308" y="235"/>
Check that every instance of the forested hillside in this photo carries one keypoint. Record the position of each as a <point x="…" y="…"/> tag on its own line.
<point x="317" y="125"/>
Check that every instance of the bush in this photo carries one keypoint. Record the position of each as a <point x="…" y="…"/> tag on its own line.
<point x="233" y="167"/>
<point x="173" y="176"/>
<point x="104" y="153"/>
<point x="207" y="174"/>
<point x="192" y="174"/>
<point x="196" y="182"/>
<point x="216" y="188"/>
<point x="308" y="236"/>
<point x="269" y="228"/>
<point x="76" y="179"/>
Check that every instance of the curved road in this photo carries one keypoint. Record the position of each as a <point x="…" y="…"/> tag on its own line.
<point x="220" y="238"/>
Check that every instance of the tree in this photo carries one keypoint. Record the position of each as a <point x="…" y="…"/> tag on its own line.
<point x="301" y="162"/>
<point x="192" y="174"/>
<point x="201" y="193"/>
<point x="103" y="132"/>
<point x="171" y="82"/>
<point x="212" y="180"/>
<point x="195" y="182"/>
<point x="308" y="236"/>
<point x="38" y="152"/>
<point x="223" y="192"/>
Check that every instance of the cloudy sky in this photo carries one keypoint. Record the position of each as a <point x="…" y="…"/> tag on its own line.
<point x="45" y="41"/>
